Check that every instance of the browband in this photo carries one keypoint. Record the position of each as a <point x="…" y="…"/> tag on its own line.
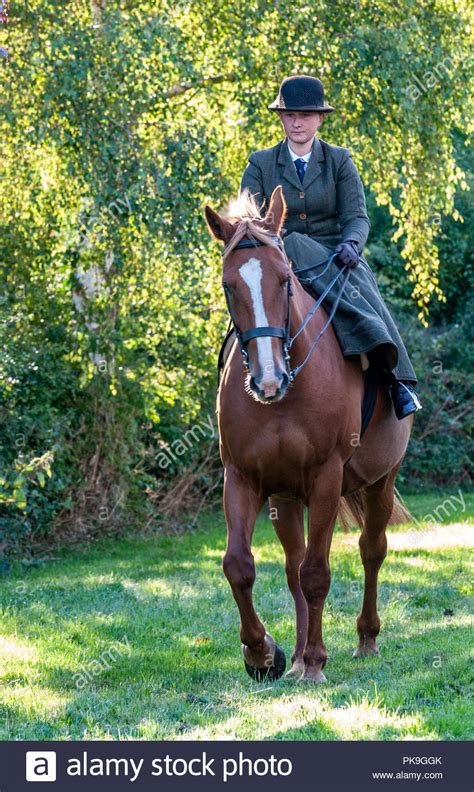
<point x="249" y="243"/>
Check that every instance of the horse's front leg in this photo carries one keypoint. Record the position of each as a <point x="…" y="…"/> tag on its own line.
<point x="263" y="658"/>
<point x="315" y="576"/>
<point x="288" y="520"/>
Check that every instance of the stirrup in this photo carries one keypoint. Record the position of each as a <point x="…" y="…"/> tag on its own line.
<point x="404" y="398"/>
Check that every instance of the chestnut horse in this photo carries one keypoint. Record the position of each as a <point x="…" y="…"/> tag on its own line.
<point x="295" y="441"/>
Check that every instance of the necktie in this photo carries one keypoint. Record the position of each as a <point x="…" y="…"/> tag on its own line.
<point x="300" y="166"/>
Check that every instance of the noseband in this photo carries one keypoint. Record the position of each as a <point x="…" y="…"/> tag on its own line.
<point x="284" y="332"/>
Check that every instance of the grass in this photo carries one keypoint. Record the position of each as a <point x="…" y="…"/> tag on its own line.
<point x="138" y="639"/>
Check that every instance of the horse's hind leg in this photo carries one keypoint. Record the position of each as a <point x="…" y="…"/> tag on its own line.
<point x="378" y="505"/>
<point x="288" y="520"/>
<point x="263" y="658"/>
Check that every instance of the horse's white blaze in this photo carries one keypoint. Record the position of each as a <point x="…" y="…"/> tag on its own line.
<point x="251" y="272"/>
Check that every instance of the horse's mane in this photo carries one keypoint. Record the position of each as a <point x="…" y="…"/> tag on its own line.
<point x="246" y="212"/>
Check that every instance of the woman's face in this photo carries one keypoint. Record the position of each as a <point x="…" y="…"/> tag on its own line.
<point x="300" y="127"/>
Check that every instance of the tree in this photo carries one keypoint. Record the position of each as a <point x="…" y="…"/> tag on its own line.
<point x="119" y="122"/>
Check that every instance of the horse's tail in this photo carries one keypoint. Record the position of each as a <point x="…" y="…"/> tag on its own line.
<point x="351" y="511"/>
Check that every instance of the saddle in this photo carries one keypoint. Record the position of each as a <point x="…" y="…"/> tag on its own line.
<point x="370" y="374"/>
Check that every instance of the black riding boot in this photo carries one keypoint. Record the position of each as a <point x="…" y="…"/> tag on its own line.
<point x="402" y="393"/>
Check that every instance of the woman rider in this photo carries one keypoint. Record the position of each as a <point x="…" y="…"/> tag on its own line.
<point x="326" y="214"/>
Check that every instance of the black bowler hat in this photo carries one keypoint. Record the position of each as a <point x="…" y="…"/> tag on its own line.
<point x="301" y="93"/>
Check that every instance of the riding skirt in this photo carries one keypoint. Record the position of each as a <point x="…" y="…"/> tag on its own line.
<point x="362" y="321"/>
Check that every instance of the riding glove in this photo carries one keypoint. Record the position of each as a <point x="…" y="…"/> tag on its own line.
<point x="348" y="253"/>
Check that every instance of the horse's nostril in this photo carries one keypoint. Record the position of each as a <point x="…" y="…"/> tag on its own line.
<point x="268" y="386"/>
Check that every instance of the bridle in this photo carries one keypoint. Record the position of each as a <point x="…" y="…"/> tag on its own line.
<point x="261" y="332"/>
<point x="284" y="332"/>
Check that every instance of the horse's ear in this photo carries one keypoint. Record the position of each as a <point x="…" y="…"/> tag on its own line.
<point x="219" y="227"/>
<point x="275" y="217"/>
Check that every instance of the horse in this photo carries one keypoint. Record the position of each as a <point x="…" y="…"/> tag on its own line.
<point x="295" y="440"/>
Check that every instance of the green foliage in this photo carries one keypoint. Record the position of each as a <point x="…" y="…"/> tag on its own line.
<point x="455" y="244"/>
<point x="119" y="122"/>
<point x="441" y="448"/>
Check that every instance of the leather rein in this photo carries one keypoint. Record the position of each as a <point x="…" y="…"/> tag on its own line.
<point x="284" y="332"/>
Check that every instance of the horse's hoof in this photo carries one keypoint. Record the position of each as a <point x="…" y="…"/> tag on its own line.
<point x="268" y="673"/>
<point x="296" y="670"/>
<point x="366" y="649"/>
<point x="313" y="675"/>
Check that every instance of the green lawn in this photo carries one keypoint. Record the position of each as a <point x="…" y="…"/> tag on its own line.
<point x="138" y="639"/>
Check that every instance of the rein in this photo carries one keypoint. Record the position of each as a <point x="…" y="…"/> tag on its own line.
<point x="284" y="332"/>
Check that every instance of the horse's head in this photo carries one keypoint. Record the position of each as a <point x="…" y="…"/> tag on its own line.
<point x="256" y="279"/>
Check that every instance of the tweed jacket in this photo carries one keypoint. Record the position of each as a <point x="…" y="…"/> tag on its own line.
<point x="328" y="206"/>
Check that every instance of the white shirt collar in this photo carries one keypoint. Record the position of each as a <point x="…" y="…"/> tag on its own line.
<point x="294" y="156"/>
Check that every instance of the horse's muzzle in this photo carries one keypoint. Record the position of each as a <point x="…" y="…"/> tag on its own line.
<point x="268" y="389"/>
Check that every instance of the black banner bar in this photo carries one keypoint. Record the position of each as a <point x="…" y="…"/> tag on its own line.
<point x="325" y="766"/>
